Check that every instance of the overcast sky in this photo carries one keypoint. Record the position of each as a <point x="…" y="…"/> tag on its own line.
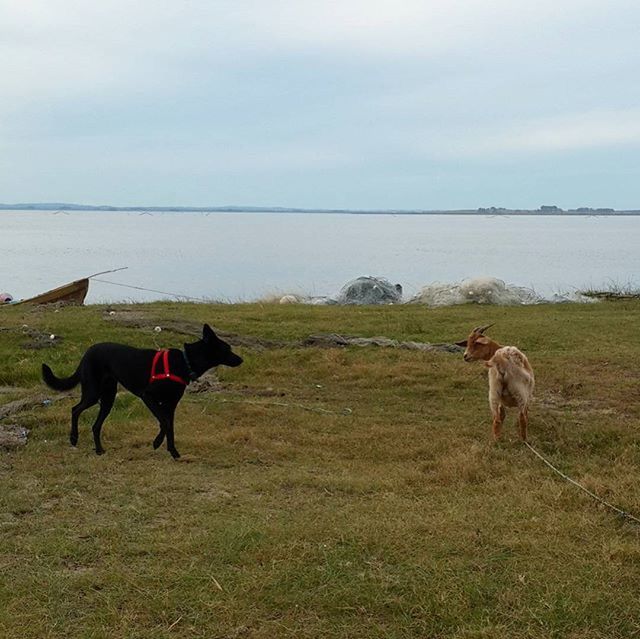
<point x="354" y="103"/>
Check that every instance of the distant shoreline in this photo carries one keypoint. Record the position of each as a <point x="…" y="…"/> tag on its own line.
<point x="491" y="211"/>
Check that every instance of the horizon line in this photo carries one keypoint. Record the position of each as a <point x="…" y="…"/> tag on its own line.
<point x="492" y="210"/>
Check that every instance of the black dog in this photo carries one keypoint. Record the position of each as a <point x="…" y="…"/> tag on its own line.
<point x="159" y="378"/>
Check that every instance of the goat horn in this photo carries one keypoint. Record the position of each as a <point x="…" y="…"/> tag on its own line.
<point x="482" y="329"/>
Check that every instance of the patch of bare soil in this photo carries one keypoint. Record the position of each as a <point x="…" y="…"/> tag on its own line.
<point x="36" y="338"/>
<point x="209" y="383"/>
<point x="12" y="436"/>
<point x="39" y="340"/>
<point x="34" y="401"/>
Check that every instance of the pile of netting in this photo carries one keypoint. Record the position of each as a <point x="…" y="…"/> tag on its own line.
<point x="362" y="290"/>
<point x="476" y="290"/>
<point x="370" y="290"/>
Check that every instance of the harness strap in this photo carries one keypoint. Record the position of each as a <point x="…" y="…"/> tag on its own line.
<point x="166" y="374"/>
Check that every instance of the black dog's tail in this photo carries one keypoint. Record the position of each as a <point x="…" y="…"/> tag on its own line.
<point x="57" y="383"/>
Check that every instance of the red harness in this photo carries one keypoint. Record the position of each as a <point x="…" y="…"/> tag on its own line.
<point x="166" y="374"/>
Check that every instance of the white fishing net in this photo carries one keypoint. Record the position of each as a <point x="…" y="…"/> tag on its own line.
<point x="476" y="290"/>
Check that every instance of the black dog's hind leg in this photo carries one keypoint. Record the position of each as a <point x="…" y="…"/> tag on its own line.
<point x="86" y="401"/>
<point x="164" y="413"/>
<point x="107" y="397"/>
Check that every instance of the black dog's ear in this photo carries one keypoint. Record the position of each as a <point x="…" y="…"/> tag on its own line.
<point x="207" y="333"/>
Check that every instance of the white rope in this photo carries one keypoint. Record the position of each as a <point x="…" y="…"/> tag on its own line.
<point x="620" y="512"/>
<point x="314" y="409"/>
<point x="113" y="270"/>
<point x="151" y="290"/>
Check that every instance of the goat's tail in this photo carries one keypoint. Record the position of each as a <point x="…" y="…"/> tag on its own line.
<point x="60" y="383"/>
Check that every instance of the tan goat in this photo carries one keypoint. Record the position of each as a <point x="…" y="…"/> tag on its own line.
<point x="511" y="379"/>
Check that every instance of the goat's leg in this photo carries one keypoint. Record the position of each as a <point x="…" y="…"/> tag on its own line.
<point x="497" y="409"/>
<point x="495" y="402"/>
<point x="498" y="418"/>
<point x="523" y="421"/>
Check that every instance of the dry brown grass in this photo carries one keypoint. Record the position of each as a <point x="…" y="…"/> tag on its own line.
<point x="400" y="518"/>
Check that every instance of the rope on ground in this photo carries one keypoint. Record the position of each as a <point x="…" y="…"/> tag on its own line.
<point x="621" y="513"/>
<point x="314" y="409"/>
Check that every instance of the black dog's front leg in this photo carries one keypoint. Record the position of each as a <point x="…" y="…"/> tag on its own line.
<point x="164" y="412"/>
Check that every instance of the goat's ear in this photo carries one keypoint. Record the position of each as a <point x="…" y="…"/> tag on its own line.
<point x="462" y="343"/>
<point x="207" y="333"/>
<point x="482" y="340"/>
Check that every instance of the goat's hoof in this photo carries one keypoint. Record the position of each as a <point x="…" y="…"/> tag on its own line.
<point x="99" y="451"/>
<point x="175" y="454"/>
<point x="157" y="443"/>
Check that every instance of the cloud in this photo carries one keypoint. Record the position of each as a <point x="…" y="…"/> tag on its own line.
<point x="370" y="88"/>
<point x="56" y="40"/>
<point x="69" y="50"/>
<point x="565" y="133"/>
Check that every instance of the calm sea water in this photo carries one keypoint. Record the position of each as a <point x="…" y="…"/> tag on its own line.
<point x="245" y="256"/>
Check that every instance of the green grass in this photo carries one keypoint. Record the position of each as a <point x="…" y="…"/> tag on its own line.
<point x="399" y="519"/>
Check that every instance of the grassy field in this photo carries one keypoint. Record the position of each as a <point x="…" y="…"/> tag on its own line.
<point x="326" y="492"/>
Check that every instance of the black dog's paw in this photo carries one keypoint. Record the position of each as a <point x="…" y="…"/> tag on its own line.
<point x="73" y="440"/>
<point x="99" y="451"/>
<point x="175" y="454"/>
<point x="157" y="442"/>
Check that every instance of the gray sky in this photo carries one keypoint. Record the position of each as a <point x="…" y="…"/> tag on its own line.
<point x="355" y="103"/>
